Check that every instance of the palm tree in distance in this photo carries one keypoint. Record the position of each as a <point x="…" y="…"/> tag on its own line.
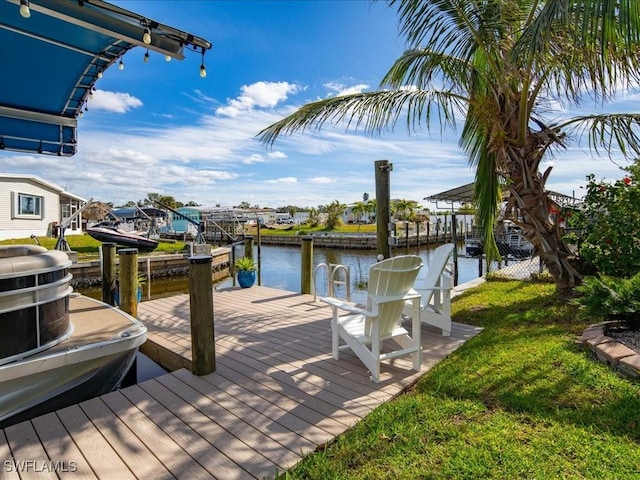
<point x="502" y="64"/>
<point x="358" y="210"/>
<point x="405" y="209"/>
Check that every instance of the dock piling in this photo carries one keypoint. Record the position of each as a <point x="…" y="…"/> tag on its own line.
<point x="109" y="273"/>
<point x="203" y="349"/>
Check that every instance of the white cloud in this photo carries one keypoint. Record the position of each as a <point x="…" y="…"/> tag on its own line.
<point x="283" y="180"/>
<point x="339" y="89"/>
<point x="321" y="180"/>
<point x="255" y="158"/>
<point x="277" y="154"/>
<point x="117" y="102"/>
<point x="259" y="94"/>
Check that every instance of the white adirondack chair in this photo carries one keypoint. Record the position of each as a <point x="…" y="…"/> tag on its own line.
<point x="435" y="290"/>
<point x="364" y="329"/>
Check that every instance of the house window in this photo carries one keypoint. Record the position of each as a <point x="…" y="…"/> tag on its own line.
<point x="28" y="206"/>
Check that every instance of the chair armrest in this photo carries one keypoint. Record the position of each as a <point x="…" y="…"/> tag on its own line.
<point x="349" y="307"/>
<point x="410" y="295"/>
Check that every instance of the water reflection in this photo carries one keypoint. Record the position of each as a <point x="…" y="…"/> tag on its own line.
<point x="280" y="268"/>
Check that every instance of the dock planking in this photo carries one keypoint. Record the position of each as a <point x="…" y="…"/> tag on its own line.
<point x="276" y="395"/>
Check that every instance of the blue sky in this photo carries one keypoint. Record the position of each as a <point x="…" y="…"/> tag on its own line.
<point x="158" y="127"/>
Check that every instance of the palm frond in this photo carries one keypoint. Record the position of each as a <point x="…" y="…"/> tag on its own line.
<point x="427" y="69"/>
<point x="372" y="112"/>
<point x="608" y="131"/>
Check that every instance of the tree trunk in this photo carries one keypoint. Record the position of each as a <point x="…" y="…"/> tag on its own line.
<point x="529" y="206"/>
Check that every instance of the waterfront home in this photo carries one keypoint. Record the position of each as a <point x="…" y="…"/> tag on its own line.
<point x="30" y="205"/>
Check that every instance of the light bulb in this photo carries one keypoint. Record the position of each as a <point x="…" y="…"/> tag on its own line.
<point x="146" y="57"/>
<point x="99" y="73"/>
<point x="146" y="38"/>
<point x="24" y="8"/>
<point x="203" y="71"/>
<point x="167" y="58"/>
<point x="121" y="65"/>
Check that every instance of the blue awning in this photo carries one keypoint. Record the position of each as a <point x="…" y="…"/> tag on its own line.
<point x="52" y="59"/>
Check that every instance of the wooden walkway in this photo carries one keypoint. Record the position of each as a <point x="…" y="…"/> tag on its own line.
<point x="276" y="395"/>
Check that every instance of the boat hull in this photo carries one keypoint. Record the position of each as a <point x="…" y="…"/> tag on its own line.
<point x="124" y="239"/>
<point x="473" y="248"/>
<point x="92" y="361"/>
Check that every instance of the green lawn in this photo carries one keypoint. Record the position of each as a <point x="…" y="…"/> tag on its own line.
<point x="86" y="246"/>
<point x="522" y="400"/>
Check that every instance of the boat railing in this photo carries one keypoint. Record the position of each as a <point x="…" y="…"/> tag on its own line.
<point x="34" y="299"/>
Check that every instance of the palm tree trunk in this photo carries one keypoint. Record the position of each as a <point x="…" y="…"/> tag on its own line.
<point x="529" y="205"/>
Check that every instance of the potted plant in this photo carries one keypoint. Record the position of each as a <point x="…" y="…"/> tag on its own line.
<point x="246" y="269"/>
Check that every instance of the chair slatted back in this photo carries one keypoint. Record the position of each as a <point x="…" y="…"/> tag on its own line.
<point x="437" y="264"/>
<point x="389" y="278"/>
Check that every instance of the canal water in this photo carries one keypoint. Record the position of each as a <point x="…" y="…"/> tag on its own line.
<point x="280" y="268"/>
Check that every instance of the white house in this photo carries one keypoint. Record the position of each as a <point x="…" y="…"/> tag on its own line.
<point x="31" y="206"/>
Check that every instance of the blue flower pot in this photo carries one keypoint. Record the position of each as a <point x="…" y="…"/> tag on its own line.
<point x="116" y="295"/>
<point x="246" y="278"/>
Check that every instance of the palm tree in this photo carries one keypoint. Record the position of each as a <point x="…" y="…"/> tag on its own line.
<point x="334" y="213"/>
<point x="405" y="209"/>
<point x="503" y="64"/>
<point x="358" y="209"/>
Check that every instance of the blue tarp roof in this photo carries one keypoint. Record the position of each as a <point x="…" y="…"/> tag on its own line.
<point x="51" y="61"/>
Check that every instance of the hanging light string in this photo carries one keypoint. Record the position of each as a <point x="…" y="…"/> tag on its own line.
<point x="24" y="8"/>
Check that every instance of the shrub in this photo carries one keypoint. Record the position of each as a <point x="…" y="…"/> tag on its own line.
<point x="245" y="263"/>
<point x="608" y="223"/>
<point x="611" y="298"/>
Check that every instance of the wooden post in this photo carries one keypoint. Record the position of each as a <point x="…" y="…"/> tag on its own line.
<point x="383" y="200"/>
<point x="248" y="246"/>
<point x="417" y="234"/>
<point x="109" y="273"/>
<point x="454" y="235"/>
<point x="259" y="254"/>
<point x="203" y="349"/>
<point x="128" y="290"/>
<point x="129" y="281"/>
<point x="428" y="232"/>
<point x="306" y="267"/>
<point x="406" y="237"/>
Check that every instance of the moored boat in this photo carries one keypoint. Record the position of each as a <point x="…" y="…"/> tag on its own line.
<point x="56" y="347"/>
<point x="109" y="232"/>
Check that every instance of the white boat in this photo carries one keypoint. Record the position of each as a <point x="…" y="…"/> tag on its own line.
<point x="511" y="242"/>
<point x="57" y="347"/>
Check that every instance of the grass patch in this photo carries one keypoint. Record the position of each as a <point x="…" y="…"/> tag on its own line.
<point x="520" y="400"/>
<point x="88" y="248"/>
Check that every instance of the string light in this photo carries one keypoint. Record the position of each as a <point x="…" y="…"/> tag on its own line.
<point x="167" y="58"/>
<point x="121" y="65"/>
<point x="100" y="72"/>
<point x="146" y="57"/>
<point x="24" y="8"/>
<point x="203" y="69"/>
<point x="146" y="36"/>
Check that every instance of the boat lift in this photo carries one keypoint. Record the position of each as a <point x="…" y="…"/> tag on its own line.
<point x="200" y="240"/>
<point x="62" y="243"/>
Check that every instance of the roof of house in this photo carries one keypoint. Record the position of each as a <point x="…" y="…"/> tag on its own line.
<point x="44" y="183"/>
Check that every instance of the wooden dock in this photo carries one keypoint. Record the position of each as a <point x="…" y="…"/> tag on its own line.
<point x="275" y="396"/>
